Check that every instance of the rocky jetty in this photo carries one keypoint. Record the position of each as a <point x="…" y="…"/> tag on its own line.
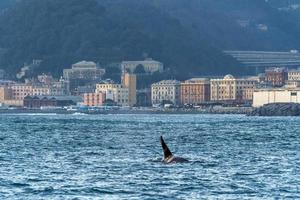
<point x="277" y="109"/>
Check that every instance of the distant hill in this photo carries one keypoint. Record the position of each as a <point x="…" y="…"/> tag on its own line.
<point x="187" y="36"/>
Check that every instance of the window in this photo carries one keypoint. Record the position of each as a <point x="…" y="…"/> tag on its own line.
<point x="293" y="93"/>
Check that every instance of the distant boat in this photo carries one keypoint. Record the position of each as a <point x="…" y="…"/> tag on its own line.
<point x="51" y="108"/>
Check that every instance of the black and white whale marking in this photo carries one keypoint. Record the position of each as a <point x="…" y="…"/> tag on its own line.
<point x="168" y="156"/>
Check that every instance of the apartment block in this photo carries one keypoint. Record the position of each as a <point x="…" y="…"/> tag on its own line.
<point x="195" y="91"/>
<point x="166" y="90"/>
<point x="232" y="89"/>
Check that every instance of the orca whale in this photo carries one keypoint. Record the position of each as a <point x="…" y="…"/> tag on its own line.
<point x="168" y="156"/>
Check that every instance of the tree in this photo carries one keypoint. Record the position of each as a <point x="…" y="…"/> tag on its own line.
<point x="140" y="69"/>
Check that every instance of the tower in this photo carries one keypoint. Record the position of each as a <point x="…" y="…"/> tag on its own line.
<point x="129" y="81"/>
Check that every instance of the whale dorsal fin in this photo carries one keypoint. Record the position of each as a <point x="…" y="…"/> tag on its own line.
<point x="167" y="152"/>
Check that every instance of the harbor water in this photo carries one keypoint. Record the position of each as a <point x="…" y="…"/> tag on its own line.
<point x="48" y="156"/>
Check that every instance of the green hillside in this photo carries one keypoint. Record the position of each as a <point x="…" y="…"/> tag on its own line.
<point x="187" y="36"/>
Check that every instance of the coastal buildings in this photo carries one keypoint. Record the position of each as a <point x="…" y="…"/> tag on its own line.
<point x="94" y="99"/>
<point x="21" y="90"/>
<point x="114" y="92"/>
<point x="294" y="75"/>
<point x="56" y="87"/>
<point x="275" y="95"/>
<point x="50" y="101"/>
<point x="165" y="91"/>
<point x="195" y="91"/>
<point x="129" y="81"/>
<point x="276" y="76"/>
<point x="5" y="94"/>
<point x="83" y="73"/>
<point x="149" y="65"/>
<point x="232" y="89"/>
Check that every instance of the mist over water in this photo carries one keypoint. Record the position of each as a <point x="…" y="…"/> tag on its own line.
<point x="116" y="157"/>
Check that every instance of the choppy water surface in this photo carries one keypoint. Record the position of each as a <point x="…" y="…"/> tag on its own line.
<point x="115" y="157"/>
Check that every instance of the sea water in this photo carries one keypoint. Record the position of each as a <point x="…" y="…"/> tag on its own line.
<point x="118" y="157"/>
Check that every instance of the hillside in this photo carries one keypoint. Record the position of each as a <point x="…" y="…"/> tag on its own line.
<point x="187" y="36"/>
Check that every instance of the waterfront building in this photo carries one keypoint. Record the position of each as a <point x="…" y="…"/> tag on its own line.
<point x="83" y="73"/>
<point x="56" y="87"/>
<point x="21" y="90"/>
<point x="5" y="94"/>
<point x="195" y="91"/>
<point x="294" y="75"/>
<point x="129" y="81"/>
<point x="165" y="91"/>
<point x="93" y="99"/>
<point x="6" y="97"/>
<point x="50" y="101"/>
<point x="149" y="65"/>
<point x="275" y="95"/>
<point x="114" y="92"/>
<point x="105" y="86"/>
<point x="121" y="96"/>
<point x="232" y="89"/>
<point x="40" y="90"/>
<point x="276" y="76"/>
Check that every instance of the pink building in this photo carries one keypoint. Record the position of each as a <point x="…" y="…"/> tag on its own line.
<point x="93" y="99"/>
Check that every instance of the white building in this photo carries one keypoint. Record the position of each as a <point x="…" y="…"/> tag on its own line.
<point x="166" y="90"/>
<point x="275" y="95"/>
<point x="294" y="75"/>
<point x="84" y="70"/>
<point x="114" y="92"/>
<point x="150" y="66"/>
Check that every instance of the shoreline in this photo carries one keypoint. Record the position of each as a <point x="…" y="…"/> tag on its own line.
<point x="223" y="110"/>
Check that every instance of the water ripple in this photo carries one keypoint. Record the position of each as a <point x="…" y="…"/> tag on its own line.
<point x="118" y="157"/>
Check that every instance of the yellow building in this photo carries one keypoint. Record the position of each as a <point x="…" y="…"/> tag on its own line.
<point x="232" y="89"/>
<point x="114" y="92"/>
<point x="5" y="94"/>
<point x="129" y="81"/>
<point x="103" y="87"/>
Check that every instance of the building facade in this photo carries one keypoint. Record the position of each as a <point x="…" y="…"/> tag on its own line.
<point x="83" y="73"/>
<point x="93" y="99"/>
<point x="50" y="101"/>
<point x="195" y="91"/>
<point x="275" y="95"/>
<point x="294" y="75"/>
<point x="5" y="94"/>
<point x="165" y="91"/>
<point x="150" y="66"/>
<point x="129" y="81"/>
<point x="232" y="89"/>
<point x="114" y="92"/>
<point x="276" y="76"/>
<point x="20" y="91"/>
